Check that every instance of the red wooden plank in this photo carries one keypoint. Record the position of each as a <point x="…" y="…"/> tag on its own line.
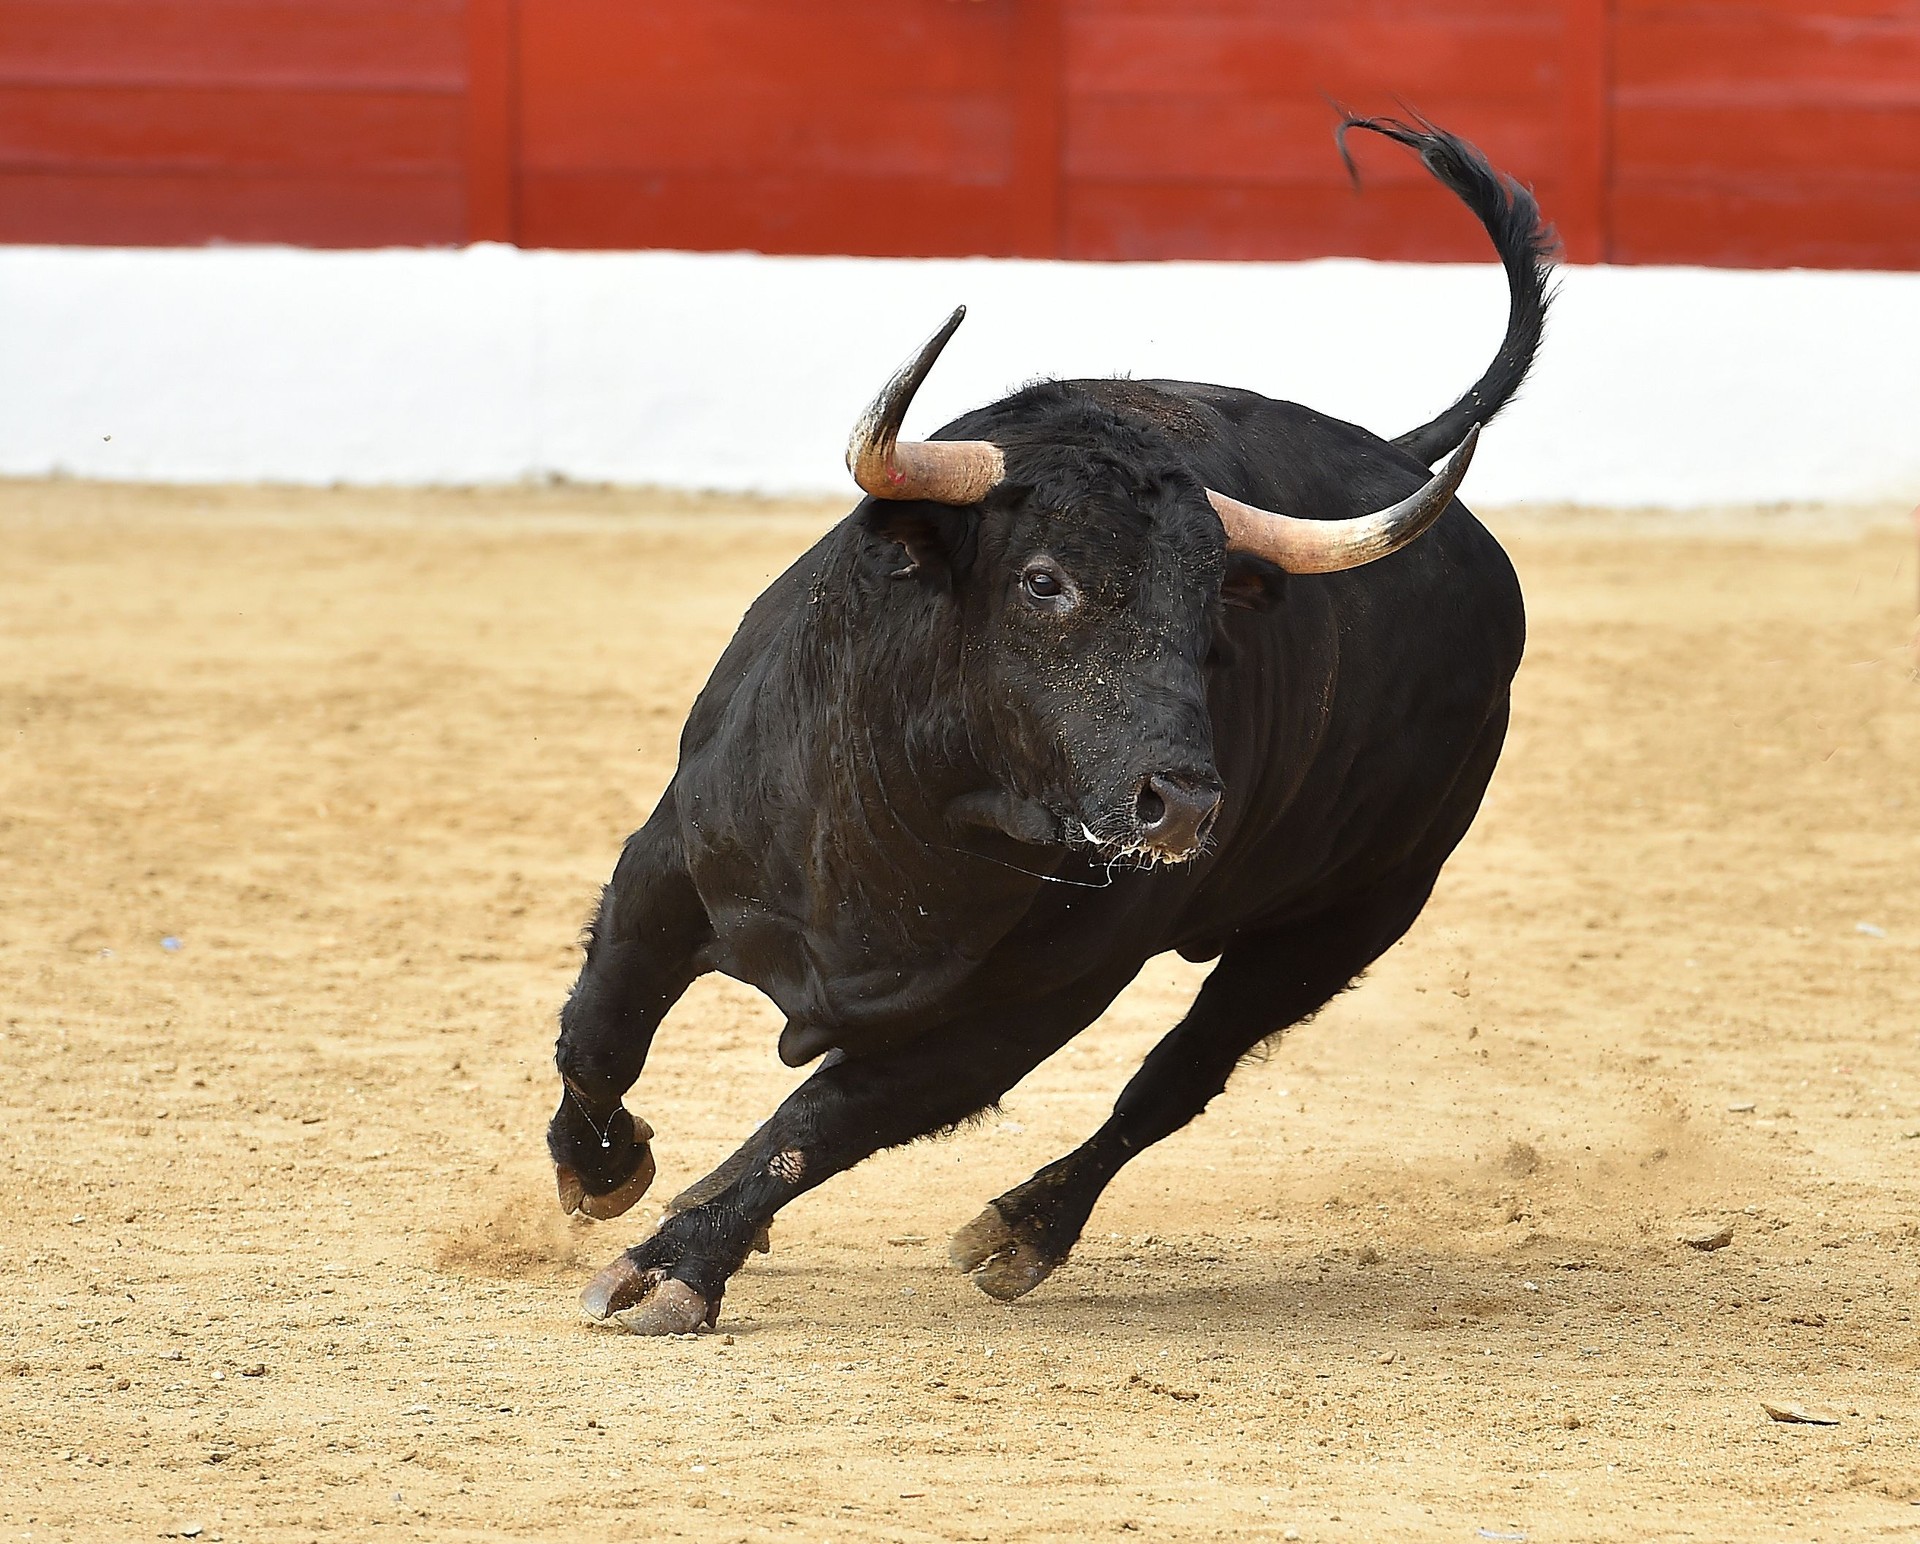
<point x="1825" y="144"/>
<point x="1160" y="220"/>
<point x="1586" y="93"/>
<point x="1276" y="140"/>
<point x="175" y="210"/>
<point x="724" y="50"/>
<point x="1314" y="52"/>
<point x="1738" y="57"/>
<point x="1039" y="127"/>
<point x="894" y="126"/>
<point x="492" y="127"/>
<point x="1819" y="12"/>
<point x="386" y="44"/>
<point x="1793" y="226"/>
<point x="862" y="216"/>
<point x="964" y="139"/>
<point x="227" y="130"/>
<point x="1298" y="11"/>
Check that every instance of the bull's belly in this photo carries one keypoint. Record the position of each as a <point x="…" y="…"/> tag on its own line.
<point x="837" y="994"/>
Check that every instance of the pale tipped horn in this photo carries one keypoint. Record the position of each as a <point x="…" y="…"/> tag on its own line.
<point x="1327" y="546"/>
<point x="943" y="471"/>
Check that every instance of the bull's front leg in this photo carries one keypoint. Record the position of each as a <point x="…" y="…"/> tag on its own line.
<point x="849" y="1109"/>
<point x="640" y="956"/>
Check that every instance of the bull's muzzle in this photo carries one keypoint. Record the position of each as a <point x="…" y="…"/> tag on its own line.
<point x="1174" y="815"/>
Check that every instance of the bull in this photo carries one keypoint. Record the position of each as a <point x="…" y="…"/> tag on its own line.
<point x="1104" y="669"/>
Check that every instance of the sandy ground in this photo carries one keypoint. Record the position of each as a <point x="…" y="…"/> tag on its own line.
<point x="281" y="1256"/>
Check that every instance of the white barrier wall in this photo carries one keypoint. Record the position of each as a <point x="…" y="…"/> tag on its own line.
<point x="1670" y="387"/>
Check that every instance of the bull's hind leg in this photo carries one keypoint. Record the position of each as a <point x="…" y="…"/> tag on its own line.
<point x="641" y="954"/>
<point x="848" y="1109"/>
<point x="1263" y="984"/>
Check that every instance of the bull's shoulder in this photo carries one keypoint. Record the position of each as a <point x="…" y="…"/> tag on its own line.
<point x="766" y="633"/>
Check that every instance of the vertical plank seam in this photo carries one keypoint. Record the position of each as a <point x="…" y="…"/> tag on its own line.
<point x="1609" y="22"/>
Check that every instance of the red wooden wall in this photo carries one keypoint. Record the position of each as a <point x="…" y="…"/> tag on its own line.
<point x="1739" y="132"/>
<point x="329" y="122"/>
<point x="1766" y="132"/>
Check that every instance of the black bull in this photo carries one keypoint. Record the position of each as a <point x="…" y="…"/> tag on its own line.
<point x="967" y="765"/>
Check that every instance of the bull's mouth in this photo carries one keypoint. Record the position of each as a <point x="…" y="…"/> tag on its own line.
<point x="1163" y="820"/>
<point x="1128" y="851"/>
<point x="1168" y="818"/>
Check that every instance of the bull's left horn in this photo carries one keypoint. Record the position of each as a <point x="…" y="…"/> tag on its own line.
<point x="944" y="471"/>
<point x="1327" y="546"/>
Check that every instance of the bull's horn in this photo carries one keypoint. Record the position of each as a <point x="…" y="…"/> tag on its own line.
<point x="944" y="471"/>
<point x="1327" y="546"/>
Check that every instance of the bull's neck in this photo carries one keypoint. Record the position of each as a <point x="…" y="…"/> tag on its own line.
<point x="875" y="683"/>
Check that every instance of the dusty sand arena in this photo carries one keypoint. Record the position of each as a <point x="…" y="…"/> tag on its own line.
<point x="281" y="1253"/>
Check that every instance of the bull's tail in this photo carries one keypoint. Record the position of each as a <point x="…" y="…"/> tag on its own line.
<point x="1525" y="246"/>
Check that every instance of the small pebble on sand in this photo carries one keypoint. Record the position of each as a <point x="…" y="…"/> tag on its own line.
<point x="1716" y="1238"/>
<point x="1793" y="1413"/>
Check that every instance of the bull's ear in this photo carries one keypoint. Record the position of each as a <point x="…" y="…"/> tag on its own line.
<point x="1251" y="583"/>
<point x="933" y="541"/>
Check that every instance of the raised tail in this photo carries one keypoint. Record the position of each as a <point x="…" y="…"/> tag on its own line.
<point x="1525" y="247"/>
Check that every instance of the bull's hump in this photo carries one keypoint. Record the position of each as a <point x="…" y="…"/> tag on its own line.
<point x="1173" y="414"/>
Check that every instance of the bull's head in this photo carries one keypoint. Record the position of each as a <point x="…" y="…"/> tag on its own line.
<point x="1094" y="572"/>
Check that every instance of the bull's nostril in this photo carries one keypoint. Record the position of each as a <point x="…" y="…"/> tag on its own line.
<point x="1175" y="813"/>
<point x="1149" y="809"/>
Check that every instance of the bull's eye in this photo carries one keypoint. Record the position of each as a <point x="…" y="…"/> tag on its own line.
<point x="1042" y="584"/>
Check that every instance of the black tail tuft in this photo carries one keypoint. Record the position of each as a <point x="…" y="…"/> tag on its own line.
<point x="1525" y="246"/>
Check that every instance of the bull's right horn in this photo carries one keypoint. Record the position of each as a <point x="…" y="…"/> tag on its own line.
<point x="1328" y="546"/>
<point x="942" y="471"/>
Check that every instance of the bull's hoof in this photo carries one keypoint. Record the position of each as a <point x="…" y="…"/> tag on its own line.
<point x="620" y="1284"/>
<point x="996" y="1259"/>
<point x="575" y="1201"/>
<point x="672" y="1308"/>
<point x="627" y="1297"/>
